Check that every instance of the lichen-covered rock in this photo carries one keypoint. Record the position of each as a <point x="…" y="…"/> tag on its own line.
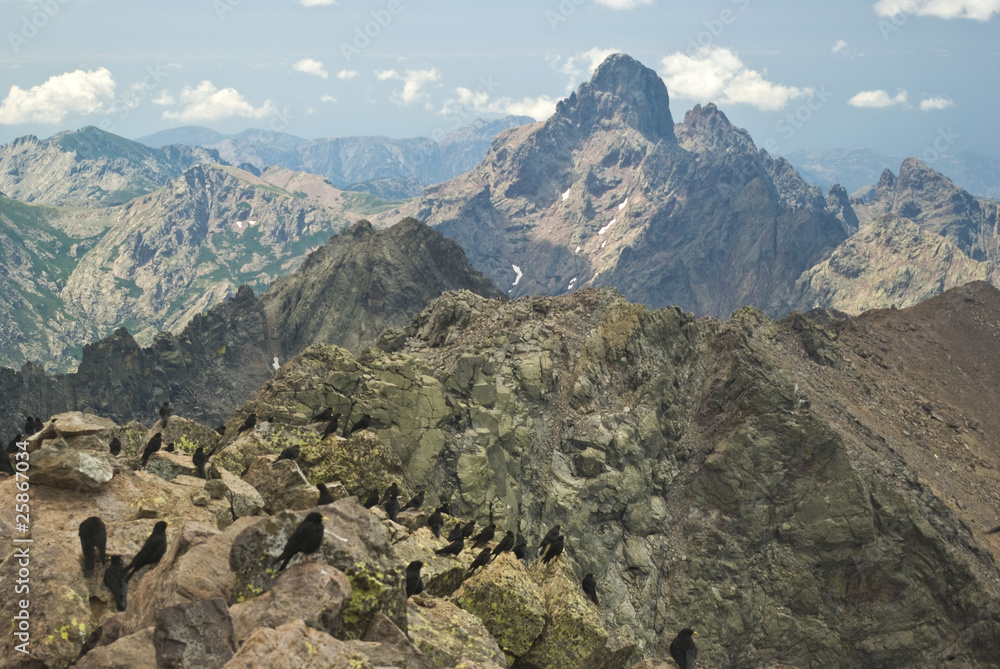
<point x="194" y="634"/>
<point x="361" y="463"/>
<point x="355" y="542"/>
<point x="450" y="636"/>
<point x="281" y="484"/>
<point x="81" y="463"/>
<point x="243" y="497"/>
<point x="296" y="645"/>
<point x="394" y="648"/>
<point x="442" y="575"/>
<point x="135" y="651"/>
<point x="506" y="598"/>
<point x="310" y="591"/>
<point x="169" y="465"/>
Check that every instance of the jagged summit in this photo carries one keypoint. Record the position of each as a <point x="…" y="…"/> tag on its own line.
<point x="622" y="91"/>
<point x="708" y="129"/>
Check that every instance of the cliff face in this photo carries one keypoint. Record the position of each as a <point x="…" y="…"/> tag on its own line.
<point x="609" y="192"/>
<point x="789" y="489"/>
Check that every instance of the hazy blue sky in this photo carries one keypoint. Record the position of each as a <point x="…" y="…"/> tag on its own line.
<point x="891" y="75"/>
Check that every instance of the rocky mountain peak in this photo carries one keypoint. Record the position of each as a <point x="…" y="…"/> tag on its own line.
<point x="622" y="90"/>
<point x="708" y="129"/>
<point x="886" y="186"/>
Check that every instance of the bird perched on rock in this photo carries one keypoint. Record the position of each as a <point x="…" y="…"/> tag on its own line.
<point x="505" y="544"/>
<point x="323" y="415"/>
<point x="391" y="491"/>
<point x="151" y="447"/>
<point x="555" y="549"/>
<point x="93" y="536"/>
<point x="248" y="424"/>
<point x="481" y="560"/>
<point x="457" y="532"/>
<point x="485" y="536"/>
<point x="290" y="453"/>
<point x="221" y="430"/>
<point x="468" y="529"/>
<point x="91" y="642"/>
<point x="683" y="650"/>
<point x="39" y="425"/>
<point x="165" y="412"/>
<point x="199" y="459"/>
<point x="392" y="508"/>
<point x="550" y="536"/>
<point x="170" y="447"/>
<point x="414" y="584"/>
<point x="151" y="551"/>
<point x="5" y="464"/>
<point x="454" y="548"/>
<point x="306" y="538"/>
<point x="324" y="495"/>
<point x="372" y="500"/>
<point x="590" y="587"/>
<point x="362" y="424"/>
<point x="12" y="444"/>
<point x="415" y="502"/>
<point x="116" y="446"/>
<point x="114" y="578"/>
<point x="29" y="425"/>
<point x="436" y="520"/>
<point x="331" y="427"/>
<point x="521" y="548"/>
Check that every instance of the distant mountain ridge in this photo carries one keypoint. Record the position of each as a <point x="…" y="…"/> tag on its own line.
<point x="351" y="160"/>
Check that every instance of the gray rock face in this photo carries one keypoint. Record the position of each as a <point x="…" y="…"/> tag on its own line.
<point x="196" y="634"/>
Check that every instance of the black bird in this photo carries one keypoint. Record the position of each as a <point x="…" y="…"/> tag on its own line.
<point x="151" y="551"/>
<point x="12" y="444"/>
<point x="391" y="491"/>
<point x="362" y="424"/>
<point x="5" y="465"/>
<point x="468" y="529"/>
<point x="221" y="430"/>
<point x="170" y="447"/>
<point x="416" y="502"/>
<point x="485" y="536"/>
<point x="454" y="548"/>
<point x="555" y="550"/>
<point x="325" y="414"/>
<point x="436" y="521"/>
<point x="521" y="548"/>
<point x="116" y="446"/>
<point x="152" y="447"/>
<point x="324" y="495"/>
<point x="29" y="425"/>
<point x="590" y="587"/>
<point x="505" y="544"/>
<point x="199" y="459"/>
<point x="550" y="536"/>
<point x="683" y="650"/>
<point x="165" y="412"/>
<point x="114" y="578"/>
<point x="39" y="425"/>
<point x="93" y="536"/>
<point x="392" y="508"/>
<point x="456" y="532"/>
<point x="290" y="453"/>
<point x="414" y="584"/>
<point x="481" y="560"/>
<point x="248" y="424"/>
<point x="372" y="500"/>
<point x="91" y="642"/>
<point x="331" y="427"/>
<point x="306" y="538"/>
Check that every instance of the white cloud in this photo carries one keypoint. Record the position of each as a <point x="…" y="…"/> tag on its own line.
<point x="936" y="102"/>
<point x="838" y="46"/>
<point x="979" y="10"/>
<point x="347" y="74"/>
<point x="468" y="104"/>
<point x="624" y="4"/>
<point x="413" y="83"/>
<point x="311" y="66"/>
<point x="716" y="74"/>
<point x="877" y="99"/>
<point x="327" y="98"/>
<point x="77" y="92"/>
<point x="207" y="103"/>
<point x="164" y="98"/>
<point x="581" y="66"/>
<point x="316" y="3"/>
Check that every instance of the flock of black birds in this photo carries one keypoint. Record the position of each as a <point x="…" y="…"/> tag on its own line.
<point x="94" y="538"/>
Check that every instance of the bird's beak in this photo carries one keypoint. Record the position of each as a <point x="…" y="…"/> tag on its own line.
<point x="695" y="633"/>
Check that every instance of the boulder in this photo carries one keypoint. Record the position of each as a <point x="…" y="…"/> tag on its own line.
<point x="81" y="463"/>
<point x="294" y="644"/>
<point x="310" y="591"/>
<point x="280" y="484"/>
<point x="394" y="648"/>
<point x="194" y="634"/>
<point x="169" y="465"/>
<point x="355" y="542"/>
<point x="506" y="598"/>
<point x="450" y="636"/>
<point x="442" y="574"/>
<point x="243" y="498"/>
<point x="135" y="651"/>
